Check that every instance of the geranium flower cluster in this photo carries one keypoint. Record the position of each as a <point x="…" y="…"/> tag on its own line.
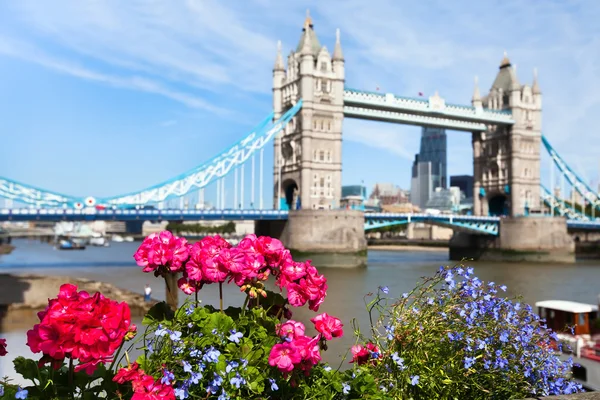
<point x="81" y="327"/>
<point x="162" y="253"/>
<point x="3" y="351"/>
<point x="362" y="354"/>
<point x="214" y="260"/>
<point x="144" y="386"/>
<point x="301" y="352"/>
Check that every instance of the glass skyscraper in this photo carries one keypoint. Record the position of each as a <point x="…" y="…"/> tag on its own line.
<point x="429" y="167"/>
<point x="433" y="149"/>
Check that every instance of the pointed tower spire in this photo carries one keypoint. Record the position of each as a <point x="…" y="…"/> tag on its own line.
<point x="505" y="61"/>
<point x="308" y="21"/>
<point x="476" y="94"/>
<point x="476" y="100"/>
<point x="279" y="59"/>
<point x="337" y="51"/>
<point x="536" y="85"/>
<point x="306" y="39"/>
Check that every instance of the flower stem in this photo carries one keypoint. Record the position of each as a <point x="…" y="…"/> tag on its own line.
<point x="245" y="304"/>
<point x="171" y="286"/>
<point x="71" y="378"/>
<point x="221" y="295"/>
<point x="117" y="355"/>
<point x="196" y="296"/>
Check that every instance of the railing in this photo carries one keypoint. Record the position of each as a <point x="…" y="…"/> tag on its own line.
<point x="435" y="105"/>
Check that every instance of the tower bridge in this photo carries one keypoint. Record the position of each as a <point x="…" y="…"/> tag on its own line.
<point x="310" y="102"/>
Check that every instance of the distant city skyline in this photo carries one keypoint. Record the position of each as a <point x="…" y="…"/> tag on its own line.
<point x="154" y="89"/>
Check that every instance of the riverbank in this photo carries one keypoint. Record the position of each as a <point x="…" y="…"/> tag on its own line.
<point x="402" y="247"/>
<point x="6" y="249"/>
<point x="23" y="296"/>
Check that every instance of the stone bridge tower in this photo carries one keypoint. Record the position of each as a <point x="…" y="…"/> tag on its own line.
<point x="308" y="153"/>
<point x="506" y="165"/>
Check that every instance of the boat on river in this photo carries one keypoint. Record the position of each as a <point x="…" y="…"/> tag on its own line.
<point x="68" y="244"/>
<point x="577" y="325"/>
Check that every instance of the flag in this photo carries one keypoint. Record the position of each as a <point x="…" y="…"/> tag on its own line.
<point x="377" y="88"/>
<point x="421" y="94"/>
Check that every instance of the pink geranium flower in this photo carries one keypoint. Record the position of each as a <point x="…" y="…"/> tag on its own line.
<point x="3" y="351"/>
<point x="284" y="356"/>
<point x="291" y="329"/>
<point x="328" y="326"/>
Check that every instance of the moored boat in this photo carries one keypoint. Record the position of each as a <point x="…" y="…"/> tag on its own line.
<point x="577" y="325"/>
<point x="67" y="244"/>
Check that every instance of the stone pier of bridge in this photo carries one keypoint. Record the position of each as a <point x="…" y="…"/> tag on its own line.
<point x="520" y="239"/>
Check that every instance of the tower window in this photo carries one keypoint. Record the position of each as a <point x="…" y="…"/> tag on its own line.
<point x="322" y="182"/>
<point x="329" y="125"/>
<point x="321" y="155"/>
<point x="324" y="66"/>
<point x="315" y="125"/>
<point x="323" y="85"/>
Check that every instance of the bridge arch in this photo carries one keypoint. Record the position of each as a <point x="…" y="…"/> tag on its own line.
<point x="289" y="194"/>
<point x="498" y="204"/>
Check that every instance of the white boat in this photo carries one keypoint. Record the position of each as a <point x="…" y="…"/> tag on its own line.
<point x="129" y="238"/>
<point x="118" y="238"/>
<point x="584" y="341"/>
<point x="99" y="241"/>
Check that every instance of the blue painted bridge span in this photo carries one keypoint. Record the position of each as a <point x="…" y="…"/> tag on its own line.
<point x="484" y="225"/>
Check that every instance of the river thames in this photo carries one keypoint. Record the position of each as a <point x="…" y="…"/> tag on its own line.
<point x="398" y="270"/>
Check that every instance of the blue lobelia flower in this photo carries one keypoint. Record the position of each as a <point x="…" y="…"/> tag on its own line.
<point x="214" y="385"/>
<point x="195" y="378"/>
<point x="160" y="331"/>
<point x="399" y="361"/>
<point x="384" y="289"/>
<point x="469" y="361"/>
<point x="167" y="378"/>
<point x="181" y="393"/>
<point x="235" y="336"/>
<point x="175" y="336"/>
<point x="327" y="368"/>
<point x="345" y="388"/>
<point x="231" y="365"/>
<point x="211" y="355"/>
<point x="1" y="389"/>
<point x="274" y="386"/>
<point x="187" y="367"/>
<point x="21" y="394"/>
<point x="237" y="380"/>
<point x="414" y="380"/>
<point x="223" y="395"/>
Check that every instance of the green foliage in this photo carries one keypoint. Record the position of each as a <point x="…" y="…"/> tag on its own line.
<point x="61" y="383"/>
<point x="452" y="339"/>
<point x="200" y="342"/>
<point x="178" y="228"/>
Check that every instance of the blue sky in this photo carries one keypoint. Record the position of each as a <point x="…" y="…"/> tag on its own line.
<point x="106" y="97"/>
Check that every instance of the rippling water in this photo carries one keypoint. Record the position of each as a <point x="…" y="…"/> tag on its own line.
<point x="399" y="270"/>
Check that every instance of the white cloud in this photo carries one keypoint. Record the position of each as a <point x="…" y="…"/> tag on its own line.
<point x="391" y="138"/>
<point x="30" y="53"/>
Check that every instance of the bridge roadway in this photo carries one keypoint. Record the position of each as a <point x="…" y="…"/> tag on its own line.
<point x="476" y="224"/>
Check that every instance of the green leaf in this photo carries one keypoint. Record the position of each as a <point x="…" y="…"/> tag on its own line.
<point x="221" y="322"/>
<point x="158" y="313"/>
<point x="27" y="368"/>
